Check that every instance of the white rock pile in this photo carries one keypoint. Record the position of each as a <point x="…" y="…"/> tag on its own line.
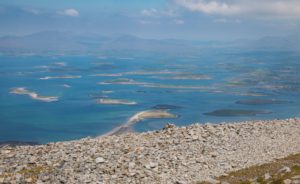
<point x="173" y="155"/>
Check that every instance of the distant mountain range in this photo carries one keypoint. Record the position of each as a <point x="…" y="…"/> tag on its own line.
<point x="65" y="42"/>
<point x="62" y="42"/>
<point x="285" y="43"/>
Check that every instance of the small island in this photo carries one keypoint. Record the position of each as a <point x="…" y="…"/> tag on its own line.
<point x="34" y="95"/>
<point x="115" y="102"/>
<point x="61" y="77"/>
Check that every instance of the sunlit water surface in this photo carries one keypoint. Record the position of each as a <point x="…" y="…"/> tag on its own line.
<point x="207" y="87"/>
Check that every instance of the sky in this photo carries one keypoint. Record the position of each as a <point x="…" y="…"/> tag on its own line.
<point x="157" y="19"/>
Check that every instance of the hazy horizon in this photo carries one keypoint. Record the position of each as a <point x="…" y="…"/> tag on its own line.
<point x="224" y="20"/>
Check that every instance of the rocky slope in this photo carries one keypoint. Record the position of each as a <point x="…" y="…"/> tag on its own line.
<point x="173" y="155"/>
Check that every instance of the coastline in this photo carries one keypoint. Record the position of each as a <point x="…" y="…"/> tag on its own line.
<point x="140" y="116"/>
<point x="189" y="154"/>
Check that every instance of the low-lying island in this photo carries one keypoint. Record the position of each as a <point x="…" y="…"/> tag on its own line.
<point x="192" y="154"/>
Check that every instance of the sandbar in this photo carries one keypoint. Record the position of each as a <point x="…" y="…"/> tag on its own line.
<point x="123" y="81"/>
<point x="115" y="102"/>
<point x="140" y="116"/>
<point x="61" y="77"/>
<point x="33" y="95"/>
<point x="108" y="75"/>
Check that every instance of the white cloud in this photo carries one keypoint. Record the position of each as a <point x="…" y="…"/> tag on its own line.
<point x="147" y="22"/>
<point x="209" y="7"/>
<point x="223" y="20"/>
<point x="256" y="8"/>
<point x="150" y="12"/>
<point x="154" y="13"/>
<point x="179" y="21"/>
<point x="170" y="13"/>
<point x="69" y="12"/>
<point x="32" y="11"/>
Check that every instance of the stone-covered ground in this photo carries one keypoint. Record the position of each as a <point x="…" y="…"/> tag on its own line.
<point x="192" y="154"/>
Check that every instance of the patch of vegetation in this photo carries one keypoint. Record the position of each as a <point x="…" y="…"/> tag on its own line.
<point x="203" y="182"/>
<point x="34" y="171"/>
<point x="246" y="182"/>
<point x="296" y="169"/>
<point x="261" y="180"/>
<point x="278" y="181"/>
<point x="257" y="173"/>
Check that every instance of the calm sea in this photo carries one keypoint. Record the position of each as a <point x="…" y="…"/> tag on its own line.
<point x="205" y="87"/>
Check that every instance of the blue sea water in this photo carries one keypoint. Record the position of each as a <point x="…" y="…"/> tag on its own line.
<point x="230" y="77"/>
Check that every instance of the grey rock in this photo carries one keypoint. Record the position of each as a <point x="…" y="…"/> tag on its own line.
<point x="224" y="182"/>
<point x="285" y="170"/>
<point x="296" y="182"/>
<point x="267" y="176"/>
<point x="296" y="177"/>
<point x="28" y="180"/>
<point x="287" y="181"/>
<point x="99" y="160"/>
<point x="212" y="181"/>
<point x="131" y="165"/>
